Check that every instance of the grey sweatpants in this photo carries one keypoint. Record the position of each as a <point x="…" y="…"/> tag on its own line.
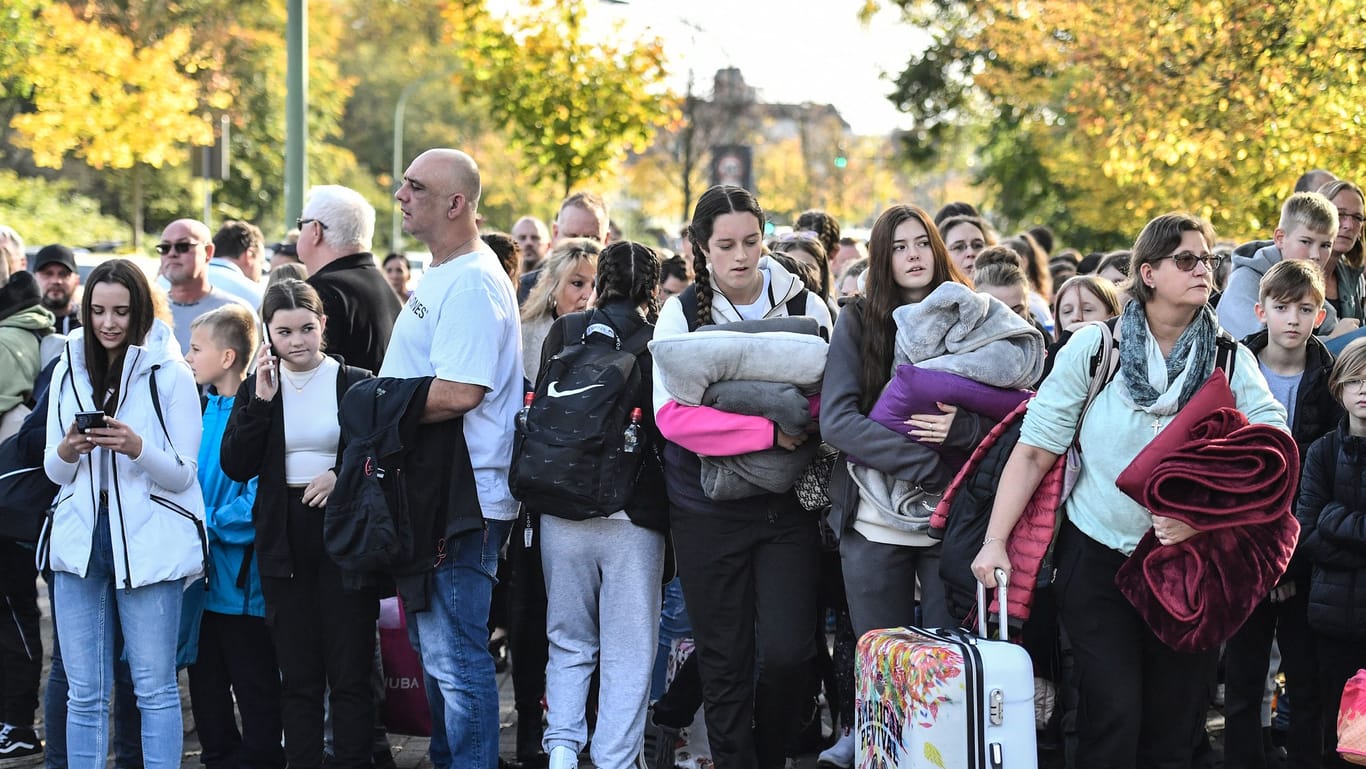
<point x="602" y="585"/>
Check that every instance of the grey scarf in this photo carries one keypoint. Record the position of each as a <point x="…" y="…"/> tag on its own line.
<point x="1194" y="350"/>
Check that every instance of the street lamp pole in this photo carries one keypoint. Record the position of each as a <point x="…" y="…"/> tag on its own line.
<point x="296" y="109"/>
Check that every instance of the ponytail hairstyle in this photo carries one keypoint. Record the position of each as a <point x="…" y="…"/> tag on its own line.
<point x="629" y="271"/>
<point x="882" y="295"/>
<point x="718" y="201"/>
<point x="290" y="294"/>
<point x="102" y="366"/>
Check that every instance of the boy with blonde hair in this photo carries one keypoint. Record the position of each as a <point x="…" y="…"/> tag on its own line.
<point x="1308" y="225"/>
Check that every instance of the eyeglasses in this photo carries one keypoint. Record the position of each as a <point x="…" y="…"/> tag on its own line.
<point x="1348" y="215"/>
<point x="301" y="222"/>
<point x="1357" y="385"/>
<point x="1185" y="261"/>
<point x="180" y="247"/>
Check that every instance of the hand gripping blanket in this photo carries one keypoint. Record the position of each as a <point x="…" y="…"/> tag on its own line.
<point x="758" y="472"/>
<point x="1235" y="483"/>
<point x="971" y="335"/>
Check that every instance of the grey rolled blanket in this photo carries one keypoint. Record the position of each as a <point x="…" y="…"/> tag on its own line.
<point x="772" y="470"/>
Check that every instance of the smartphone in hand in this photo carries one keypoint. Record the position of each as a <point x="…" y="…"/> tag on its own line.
<point x="89" y="420"/>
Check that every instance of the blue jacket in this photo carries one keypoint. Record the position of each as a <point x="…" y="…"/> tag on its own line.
<point x="232" y="534"/>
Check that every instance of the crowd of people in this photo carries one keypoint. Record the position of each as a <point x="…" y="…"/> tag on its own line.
<point x="217" y="450"/>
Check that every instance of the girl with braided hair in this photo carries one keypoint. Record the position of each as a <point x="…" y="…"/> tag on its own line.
<point x="603" y="575"/>
<point x="748" y="566"/>
<point x="825" y="229"/>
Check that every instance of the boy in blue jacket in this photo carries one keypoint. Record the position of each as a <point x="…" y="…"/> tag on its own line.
<point x="236" y="656"/>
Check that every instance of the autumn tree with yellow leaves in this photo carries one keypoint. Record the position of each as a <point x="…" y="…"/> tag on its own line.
<point x="1097" y="116"/>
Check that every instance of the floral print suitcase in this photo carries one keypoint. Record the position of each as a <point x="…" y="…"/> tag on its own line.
<point x="944" y="698"/>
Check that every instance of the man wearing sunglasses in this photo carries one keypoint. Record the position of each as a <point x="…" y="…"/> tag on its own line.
<point x="185" y="249"/>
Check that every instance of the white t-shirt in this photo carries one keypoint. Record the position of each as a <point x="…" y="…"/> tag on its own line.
<point x="312" y="431"/>
<point x="461" y="325"/>
<point x="759" y="308"/>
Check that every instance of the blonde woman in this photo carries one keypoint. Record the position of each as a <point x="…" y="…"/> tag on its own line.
<point x="565" y="286"/>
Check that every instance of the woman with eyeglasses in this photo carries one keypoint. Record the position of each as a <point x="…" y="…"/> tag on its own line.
<point x="1143" y="703"/>
<point x="966" y="237"/>
<point x="1343" y="279"/>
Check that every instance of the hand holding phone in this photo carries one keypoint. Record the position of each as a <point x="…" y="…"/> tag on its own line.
<point x="267" y="377"/>
<point x="89" y="420"/>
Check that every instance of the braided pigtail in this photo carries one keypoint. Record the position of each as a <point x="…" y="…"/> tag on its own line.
<point x="607" y="284"/>
<point x="647" y="280"/>
<point x="702" y="280"/>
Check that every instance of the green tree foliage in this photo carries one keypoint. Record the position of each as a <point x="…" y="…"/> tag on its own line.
<point x="1098" y="116"/>
<point x="52" y="212"/>
<point x="572" y="106"/>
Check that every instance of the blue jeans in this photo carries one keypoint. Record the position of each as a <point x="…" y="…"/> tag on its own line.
<point x="454" y="638"/>
<point x="673" y="624"/>
<point x="127" y="722"/>
<point x="87" y="609"/>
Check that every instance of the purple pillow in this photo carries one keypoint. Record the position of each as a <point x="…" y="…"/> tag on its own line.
<point x="916" y="390"/>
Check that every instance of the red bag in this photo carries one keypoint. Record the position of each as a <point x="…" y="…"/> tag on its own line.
<point x="405" y="695"/>
<point x="1352" y="720"/>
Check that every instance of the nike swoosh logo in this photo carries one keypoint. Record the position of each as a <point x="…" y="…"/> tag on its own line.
<point x="555" y="392"/>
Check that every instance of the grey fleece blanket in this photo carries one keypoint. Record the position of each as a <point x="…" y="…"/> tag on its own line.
<point x="971" y="335"/>
<point x="903" y="505"/>
<point x="770" y="471"/>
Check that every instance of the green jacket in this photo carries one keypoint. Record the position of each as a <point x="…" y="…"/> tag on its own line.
<point x="19" y="361"/>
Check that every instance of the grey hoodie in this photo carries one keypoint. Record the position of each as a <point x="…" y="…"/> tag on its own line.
<point x="1236" y="313"/>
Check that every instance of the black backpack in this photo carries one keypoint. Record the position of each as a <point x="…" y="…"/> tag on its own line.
<point x="569" y="458"/>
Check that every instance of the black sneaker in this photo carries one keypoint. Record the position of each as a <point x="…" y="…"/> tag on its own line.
<point x="18" y="742"/>
<point x="661" y="742"/>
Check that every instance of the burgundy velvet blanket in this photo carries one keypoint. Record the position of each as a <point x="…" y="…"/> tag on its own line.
<point x="1235" y="483"/>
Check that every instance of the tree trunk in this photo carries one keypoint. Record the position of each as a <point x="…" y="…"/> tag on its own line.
<point x="137" y="206"/>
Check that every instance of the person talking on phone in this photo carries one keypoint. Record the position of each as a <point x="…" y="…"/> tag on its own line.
<point x="284" y="430"/>
<point x="123" y="434"/>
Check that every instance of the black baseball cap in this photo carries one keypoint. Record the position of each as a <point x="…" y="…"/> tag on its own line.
<point x="54" y="254"/>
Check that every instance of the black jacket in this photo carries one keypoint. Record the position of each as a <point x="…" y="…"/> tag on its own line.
<point x="1316" y="410"/>
<point x="1332" y="513"/>
<point x="431" y="494"/>
<point x="254" y="447"/>
<point x="360" y="307"/>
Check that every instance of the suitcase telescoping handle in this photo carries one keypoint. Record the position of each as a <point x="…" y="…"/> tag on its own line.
<point x="1002" y="581"/>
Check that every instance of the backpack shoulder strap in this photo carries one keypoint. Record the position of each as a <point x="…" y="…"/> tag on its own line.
<point x="575" y="326"/>
<point x="1226" y="353"/>
<point x="1104" y="364"/>
<point x="688" y="301"/>
<point x="639" y="342"/>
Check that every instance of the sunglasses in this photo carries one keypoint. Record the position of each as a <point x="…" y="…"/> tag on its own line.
<point x="1185" y="261"/>
<point x="180" y="247"/>
<point x="299" y="223"/>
